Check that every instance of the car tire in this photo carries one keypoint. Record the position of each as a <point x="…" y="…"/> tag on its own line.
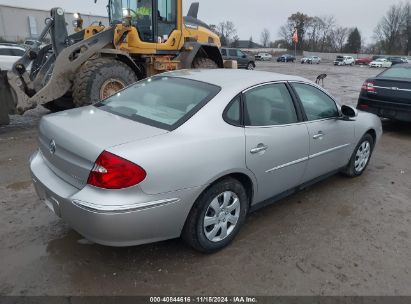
<point x="250" y="66"/>
<point x="210" y="205"/>
<point x="361" y="157"/>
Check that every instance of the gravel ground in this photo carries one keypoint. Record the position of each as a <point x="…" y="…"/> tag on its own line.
<point x="340" y="237"/>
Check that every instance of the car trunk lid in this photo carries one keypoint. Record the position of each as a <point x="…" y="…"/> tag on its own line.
<point x="395" y="90"/>
<point x="71" y="141"/>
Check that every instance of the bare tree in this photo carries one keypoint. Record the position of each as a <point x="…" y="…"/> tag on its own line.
<point x="388" y="31"/>
<point x="235" y="43"/>
<point x="340" y="35"/>
<point x="226" y="30"/>
<point x="265" y="37"/>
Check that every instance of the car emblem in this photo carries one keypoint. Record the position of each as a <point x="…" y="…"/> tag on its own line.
<point x="52" y="146"/>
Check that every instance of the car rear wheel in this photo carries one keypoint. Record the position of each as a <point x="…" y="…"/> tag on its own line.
<point x="360" y="157"/>
<point x="216" y="216"/>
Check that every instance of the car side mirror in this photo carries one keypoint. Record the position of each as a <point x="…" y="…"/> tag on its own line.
<point x="349" y="112"/>
<point x="244" y="56"/>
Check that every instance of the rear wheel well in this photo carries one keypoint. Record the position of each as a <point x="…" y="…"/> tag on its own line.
<point x="243" y="179"/>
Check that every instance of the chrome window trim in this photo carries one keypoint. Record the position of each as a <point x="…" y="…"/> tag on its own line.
<point x="264" y="84"/>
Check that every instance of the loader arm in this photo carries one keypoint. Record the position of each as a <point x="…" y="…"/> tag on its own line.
<point x="65" y="66"/>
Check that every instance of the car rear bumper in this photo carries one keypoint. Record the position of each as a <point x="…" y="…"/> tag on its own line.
<point x="148" y="218"/>
<point x="391" y="110"/>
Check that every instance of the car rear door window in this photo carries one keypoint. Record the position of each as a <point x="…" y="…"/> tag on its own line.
<point x="17" y="52"/>
<point x="232" y="53"/>
<point x="163" y="102"/>
<point x="317" y="104"/>
<point x="269" y="105"/>
<point x="5" y="52"/>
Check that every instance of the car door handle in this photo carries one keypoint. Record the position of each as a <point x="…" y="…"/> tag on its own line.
<point x="319" y="135"/>
<point x="258" y="149"/>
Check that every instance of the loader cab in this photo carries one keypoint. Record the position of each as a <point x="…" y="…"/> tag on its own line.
<point x="156" y="21"/>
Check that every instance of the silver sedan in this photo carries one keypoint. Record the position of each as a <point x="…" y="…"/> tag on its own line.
<point x="191" y="153"/>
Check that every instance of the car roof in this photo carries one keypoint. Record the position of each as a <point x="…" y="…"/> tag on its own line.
<point x="232" y="78"/>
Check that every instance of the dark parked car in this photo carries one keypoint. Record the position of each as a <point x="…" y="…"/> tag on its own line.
<point x="244" y="60"/>
<point x="396" y="60"/>
<point x="388" y="94"/>
<point x="286" y="58"/>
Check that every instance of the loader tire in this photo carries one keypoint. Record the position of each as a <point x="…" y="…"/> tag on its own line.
<point x="95" y="75"/>
<point x="204" y="63"/>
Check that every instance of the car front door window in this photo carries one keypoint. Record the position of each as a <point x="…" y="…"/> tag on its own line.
<point x="317" y="104"/>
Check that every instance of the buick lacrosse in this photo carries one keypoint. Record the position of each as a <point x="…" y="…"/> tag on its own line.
<point x="191" y="153"/>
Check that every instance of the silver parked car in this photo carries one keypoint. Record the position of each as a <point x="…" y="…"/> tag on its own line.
<point x="190" y="153"/>
<point x="311" y="60"/>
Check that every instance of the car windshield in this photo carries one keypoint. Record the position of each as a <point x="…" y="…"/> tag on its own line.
<point x="399" y="72"/>
<point x="163" y="102"/>
<point x="380" y="60"/>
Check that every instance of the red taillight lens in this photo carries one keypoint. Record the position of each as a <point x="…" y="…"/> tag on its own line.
<point x="368" y="86"/>
<point x="113" y="172"/>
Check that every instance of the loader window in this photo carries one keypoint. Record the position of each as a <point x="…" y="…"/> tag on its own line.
<point x="167" y="18"/>
<point x="141" y="12"/>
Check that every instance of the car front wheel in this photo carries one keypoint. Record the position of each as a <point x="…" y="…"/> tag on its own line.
<point x="360" y="157"/>
<point x="250" y="66"/>
<point x="216" y="216"/>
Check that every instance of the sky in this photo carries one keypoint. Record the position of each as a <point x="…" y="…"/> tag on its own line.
<point x="252" y="16"/>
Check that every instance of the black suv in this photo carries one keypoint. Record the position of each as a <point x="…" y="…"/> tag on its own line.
<point x="244" y="61"/>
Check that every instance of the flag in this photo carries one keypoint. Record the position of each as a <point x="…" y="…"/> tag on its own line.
<point x="295" y="36"/>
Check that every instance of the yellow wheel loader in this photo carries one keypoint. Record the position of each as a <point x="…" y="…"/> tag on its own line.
<point x="144" y="38"/>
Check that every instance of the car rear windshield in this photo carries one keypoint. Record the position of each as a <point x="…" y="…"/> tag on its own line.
<point x="398" y="72"/>
<point x="163" y="102"/>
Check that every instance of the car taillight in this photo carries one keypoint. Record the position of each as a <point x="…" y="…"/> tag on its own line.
<point x="368" y="86"/>
<point x="113" y="172"/>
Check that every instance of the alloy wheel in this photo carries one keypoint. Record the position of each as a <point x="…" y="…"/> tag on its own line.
<point x="362" y="156"/>
<point x="221" y="216"/>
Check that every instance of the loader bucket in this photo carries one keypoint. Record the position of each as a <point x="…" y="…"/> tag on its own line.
<point x="7" y="99"/>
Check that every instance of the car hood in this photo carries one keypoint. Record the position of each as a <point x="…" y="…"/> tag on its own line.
<point x="71" y="141"/>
